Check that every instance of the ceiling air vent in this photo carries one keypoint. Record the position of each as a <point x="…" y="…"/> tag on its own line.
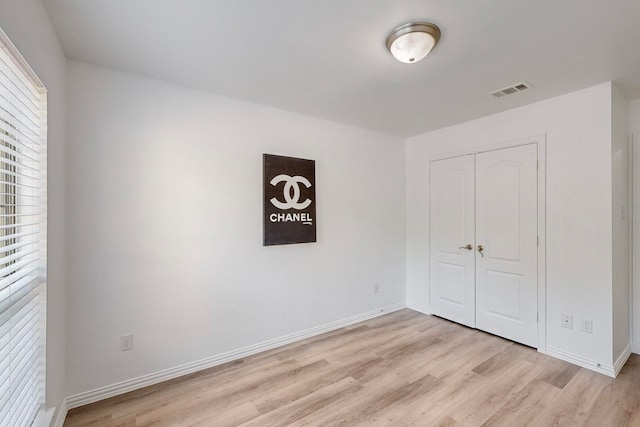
<point x="518" y="87"/>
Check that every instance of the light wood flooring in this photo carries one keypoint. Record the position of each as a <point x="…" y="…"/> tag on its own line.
<point x="402" y="369"/>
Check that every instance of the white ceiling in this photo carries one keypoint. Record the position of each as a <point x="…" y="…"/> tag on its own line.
<point x="326" y="58"/>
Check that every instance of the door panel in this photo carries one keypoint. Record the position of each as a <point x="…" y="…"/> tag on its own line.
<point x="502" y="290"/>
<point x="506" y="226"/>
<point x="451" y="220"/>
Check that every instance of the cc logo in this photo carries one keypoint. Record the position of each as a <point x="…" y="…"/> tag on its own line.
<point x="291" y="200"/>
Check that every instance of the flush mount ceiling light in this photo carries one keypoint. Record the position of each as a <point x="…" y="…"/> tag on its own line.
<point x="413" y="41"/>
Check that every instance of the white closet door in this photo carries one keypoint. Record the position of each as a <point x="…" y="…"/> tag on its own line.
<point x="451" y="218"/>
<point x="506" y="229"/>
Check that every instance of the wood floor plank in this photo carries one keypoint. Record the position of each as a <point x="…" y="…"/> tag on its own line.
<point x="484" y="403"/>
<point x="529" y="406"/>
<point x="206" y="416"/>
<point x="394" y="403"/>
<point x="362" y="369"/>
<point x="433" y="409"/>
<point x="447" y="422"/>
<point x="425" y="362"/>
<point x="579" y="396"/>
<point x="617" y="403"/>
<point x="348" y="410"/>
<point x="364" y="343"/>
<point x="307" y="405"/>
<point x="402" y="369"/>
<point x="560" y="374"/>
<point x="223" y="396"/>
<point x="318" y="344"/>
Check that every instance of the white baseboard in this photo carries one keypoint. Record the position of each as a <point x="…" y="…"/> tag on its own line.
<point x="418" y="308"/>
<point x="581" y="361"/>
<point x="62" y="414"/>
<point x="43" y="418"/>
<point x="178" y="371"/>
<point x="626" y="353"/>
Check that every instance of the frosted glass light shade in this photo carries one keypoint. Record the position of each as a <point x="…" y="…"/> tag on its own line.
<point x="411" y="42"/>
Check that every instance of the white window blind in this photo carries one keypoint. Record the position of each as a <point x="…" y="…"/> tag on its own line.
<point x="23" y="205"/>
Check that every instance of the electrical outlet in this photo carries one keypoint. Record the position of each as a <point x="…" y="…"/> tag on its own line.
<point x="376" y="288"/>
<point x="587" y="326"/>
<point x="566" y="321"/>
<point x="126" y="342"/>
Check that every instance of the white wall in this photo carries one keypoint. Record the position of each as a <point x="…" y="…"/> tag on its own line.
<point x="578" y="216"/>
<point x="621" y="225"/>
<point x="27" y="24"/>
<point x="165" y="205"/>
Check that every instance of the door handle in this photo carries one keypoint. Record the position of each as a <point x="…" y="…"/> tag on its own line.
<point x="469" y="247"/>
<point x="480" y="249"/>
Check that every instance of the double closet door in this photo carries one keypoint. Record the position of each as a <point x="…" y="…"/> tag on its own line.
<point x="483" y="241"/>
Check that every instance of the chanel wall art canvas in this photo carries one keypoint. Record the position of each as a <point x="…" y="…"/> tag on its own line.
<point x="289" y="200"/>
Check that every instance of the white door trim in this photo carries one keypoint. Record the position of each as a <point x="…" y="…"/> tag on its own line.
<point x="635" y="245"/>
<point x="541" y="143"/>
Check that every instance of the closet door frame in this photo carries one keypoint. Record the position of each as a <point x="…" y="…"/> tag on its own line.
<point x="541" y="142"/>
<point x="635" y="242"/>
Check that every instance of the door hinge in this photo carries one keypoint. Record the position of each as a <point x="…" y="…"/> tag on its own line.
<point x="538" y="240"/>
<point x="537" y="317"/>
<point x="537" y="164"/>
